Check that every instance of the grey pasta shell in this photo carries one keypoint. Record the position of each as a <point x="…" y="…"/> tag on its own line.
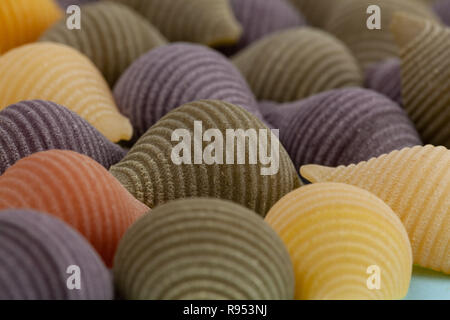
<point x="32" y="126"/>
<point x="341" y="127"/>
<point x="442" y="9"/>
<point x="36" y="251"/>
<point x="172" y="75"/>
<point x="425" y="54"/>
<point x="385" y="77"/>
<point x="207" y="22"/>
<point x="296" y="63"/>
<point x="112" y="36"/>
<point x="348" y="23"/>
<point x="66" y="3"/>
<point x="203" y="249"/>
<point x="150" y="174"/>
<point x="260" y="18"/>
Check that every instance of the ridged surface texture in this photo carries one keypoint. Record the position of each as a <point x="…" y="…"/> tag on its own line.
<point x="335" y="232"/>
<point x="348" y="23"/>
<point x="112" y="36"/>
<point x="172" y="75"/>
<point x="207" y="22"/>
<point x="32" y="126"/>
<point x="150" y="174"/>
<point x="415" y="183"/>
<point x="385" y="77"/>
<point x="203" y="249"/>
<point x="23" y="21"/>
<point x="66" y="3"/>
<point x="58" y="73"/>
<point x="341" y="127"/>
<point x="315" y="11"/>
<point x="296" y="63"/>
<point x="425" y="54"/>
<point x="442" y="9"/>
<point x="260" y="18"/>
<point x="36" y="251"/>
<point x="76" y="189"/>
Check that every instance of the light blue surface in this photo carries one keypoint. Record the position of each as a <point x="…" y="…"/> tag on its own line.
<point x="428" y="285"/>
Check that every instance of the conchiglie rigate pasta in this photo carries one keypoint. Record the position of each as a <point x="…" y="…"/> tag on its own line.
<point x="32" y="126"/>
<point x="296" y="63"/>
<point x="425" y="53"/>
<point x="23" y="21"/>
<point x="415" y="183"/>
<point x="202" y="249"/>
<point x="77" y="190"/>
<point x="335" y="233"/>
<point x="151" y="174"/>
<point x="58" y="73"/>
<point x="112" y="36"/>
<point x="207" y="22"/>
<point x="36" y="250"/>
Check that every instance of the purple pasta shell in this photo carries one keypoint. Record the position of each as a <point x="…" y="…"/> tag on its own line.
<point x="32" y="126"/>
<point x="37" y="253"/>
<point x="385" y="77"/>
<point x="171" y="75"/>
<point x="341" y="127"/>
<point x="442" y="9"/>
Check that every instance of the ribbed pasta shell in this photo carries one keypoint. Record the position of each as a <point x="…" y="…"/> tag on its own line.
<point x="334" y="232"/>
<point x="385" y="77"/>
<point x="36" y="251"/>
<point x="442" y="9"/>
<point x="112" y="36"/>
<point x="23" y="21"/>
<point x="66" y="3"/>
<point x="32" y="126"/>
<point x="297" y="63"/>
<point x="260" y="18"/>
<point x="149" y="173"/>
<point x="76" y="189"/>
<point x="341" y="127"/>
<point x="425" y="53"/>
<point x="172" y="75"/>
<point x="415" y="183"/>
<point x="207" y="22"/>
<point x="58" y="73"/>
<point x="348" y="23"/>
<point x="316" y="12"/>
<point x="202" y="249"/>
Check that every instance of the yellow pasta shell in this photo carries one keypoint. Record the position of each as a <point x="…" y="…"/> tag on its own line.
<point x="58" y="73"/>
<point x="335" y="234"/>
<point x="23" y="21"/>
<point x="425" y="53"/>
<point x="415" y="183"/>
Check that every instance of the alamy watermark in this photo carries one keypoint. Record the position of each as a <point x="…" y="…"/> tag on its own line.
<point x="237" y="147"/>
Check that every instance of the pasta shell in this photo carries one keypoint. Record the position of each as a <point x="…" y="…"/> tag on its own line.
<point x="348" y="23"/>
<point x="36" y="253"/>
<point x="23" y="21"/>
<point x="105" y="37"/>
<point x="153" y="177"/>
<point x="66" y="3"/>
<point x="297" y="63"/>
<point x="415" y="183"/>
<point x="172" y="75"/>
<point x="76" y="189"/>
<point x="58" y="73"/>
<point x="336" y="234"/>
<point x="202" y="249"/>
<point x="316" y="12"/>
<point x="211" y="23"/>
<point x="33" y="126"/>
<point x="425" y="53"/>
<point x="260" y="18"/>
<point x="442" y="9"/>
<point x="385" y="77"/>
<point x="341" y="127"/>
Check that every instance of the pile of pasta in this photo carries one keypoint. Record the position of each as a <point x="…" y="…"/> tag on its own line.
<point x="93" y="204"/>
